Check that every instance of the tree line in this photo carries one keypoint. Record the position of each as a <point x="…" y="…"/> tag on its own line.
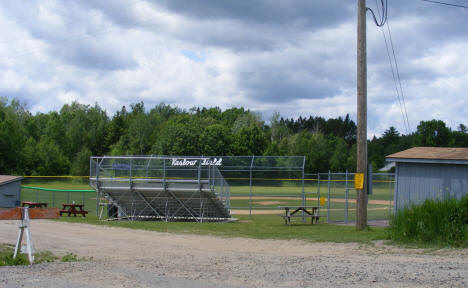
<point x="61" y="142"/>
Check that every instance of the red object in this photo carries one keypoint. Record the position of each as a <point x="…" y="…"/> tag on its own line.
<point x="73" y="209"/>
<point x="34" y="204"/>
<point x="34" y="213"/>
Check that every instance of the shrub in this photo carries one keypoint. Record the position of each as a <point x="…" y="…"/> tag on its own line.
<point x="440" y="223"/>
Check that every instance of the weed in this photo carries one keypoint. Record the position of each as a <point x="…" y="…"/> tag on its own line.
<point x="6" y="256"/>
<point x="433" y="223"/>
<point x="70" y="257"/>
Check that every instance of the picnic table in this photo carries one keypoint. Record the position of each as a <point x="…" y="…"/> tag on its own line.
<point x="34" y="204"/>
<point x="73" y="209"/>
<point x="308" y="211"/>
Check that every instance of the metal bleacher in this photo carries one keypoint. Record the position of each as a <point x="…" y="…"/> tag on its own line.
<point x="148" y="188"/>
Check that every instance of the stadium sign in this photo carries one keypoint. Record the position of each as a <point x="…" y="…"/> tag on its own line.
<point x="194" y="162"/>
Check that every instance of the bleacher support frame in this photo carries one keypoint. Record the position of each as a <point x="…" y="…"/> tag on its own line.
<point x="160" y="188"/>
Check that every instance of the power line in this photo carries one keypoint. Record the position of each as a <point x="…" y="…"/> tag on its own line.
<point x="446" y="4"/>
<point x="396" y="74"/>
<point x="398" y="77"/>
<point x="383" y="17"/>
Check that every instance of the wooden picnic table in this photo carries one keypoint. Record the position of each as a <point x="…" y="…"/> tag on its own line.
<point x="292" y="211"/>
<point x="73" y="209"/>
<point x="34" y="204"/>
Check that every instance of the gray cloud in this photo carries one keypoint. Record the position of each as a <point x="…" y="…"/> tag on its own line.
<point x="293" y="56"/>
<point x="315" y="14"/>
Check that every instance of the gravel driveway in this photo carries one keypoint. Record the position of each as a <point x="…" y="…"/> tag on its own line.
<point x="135" y="258"/>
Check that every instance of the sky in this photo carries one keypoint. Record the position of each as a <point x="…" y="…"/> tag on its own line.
<point x="296" y="57"/>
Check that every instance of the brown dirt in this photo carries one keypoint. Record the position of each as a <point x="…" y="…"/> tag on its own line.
<point x="269" y="202"/>
<point x="337" y="200"/>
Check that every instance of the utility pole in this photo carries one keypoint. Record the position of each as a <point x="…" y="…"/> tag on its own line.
<point x="361" y="211"/>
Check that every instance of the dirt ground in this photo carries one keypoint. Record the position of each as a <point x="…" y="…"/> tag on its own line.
<point x="135" y="258"/>
<point x="337" y="200"/>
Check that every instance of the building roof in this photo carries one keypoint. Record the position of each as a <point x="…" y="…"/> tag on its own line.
<point x="5" y="179"/>
<point x="431" y="154"/>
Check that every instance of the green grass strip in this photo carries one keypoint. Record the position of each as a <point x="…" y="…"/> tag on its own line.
<point x="258" y="227"/>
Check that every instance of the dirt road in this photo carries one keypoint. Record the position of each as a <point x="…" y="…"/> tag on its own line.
<point x="135" y="258"/>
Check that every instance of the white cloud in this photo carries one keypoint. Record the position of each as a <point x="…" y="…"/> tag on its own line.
<point x="298" y="61"/>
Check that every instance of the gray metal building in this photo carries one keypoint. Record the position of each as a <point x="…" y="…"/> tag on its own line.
<point x="10" y="191"/>
<point x="429" y="173"/>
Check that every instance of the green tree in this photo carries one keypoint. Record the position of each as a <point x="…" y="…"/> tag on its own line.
<point x="278" y="128"/>
<point x="180" y="135"/>
<point x="117" y="126"/>
<point x="247" y="120"/>
<point x="433" y="133"/>
<point x="460" y="137"/>
<point x="314" y="146"/>
<point x="249" y="141"/>
<point x="139" y="132"/>
<point x="339" y="154"/>
<point x="51" y="159"/>
<point x="12" y="135"/>
<point x="215" y="140"/>
<point x="80" y="164"/>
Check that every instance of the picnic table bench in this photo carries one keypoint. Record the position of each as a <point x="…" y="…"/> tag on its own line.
<point x="308" y="211"/>
<point x="34" y="204"/>
<point x="73" y="209"/>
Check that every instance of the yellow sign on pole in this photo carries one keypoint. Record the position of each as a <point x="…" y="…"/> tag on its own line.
<point x="359" y="181"/>
<point x="322" y="201"/>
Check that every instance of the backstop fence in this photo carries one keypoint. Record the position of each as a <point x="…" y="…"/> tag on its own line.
<point x="339" y="196"/>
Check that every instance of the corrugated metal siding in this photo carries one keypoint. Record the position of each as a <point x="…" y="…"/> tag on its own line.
<point x="419" y="181"/>
<point x="10" y="194"/>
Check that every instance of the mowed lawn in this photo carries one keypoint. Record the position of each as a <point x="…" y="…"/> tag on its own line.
<point x="257" y="226"/>
<point x="263" y="197"/>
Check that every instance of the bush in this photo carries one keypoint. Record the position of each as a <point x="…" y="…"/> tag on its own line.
<point x="440" y="223"/>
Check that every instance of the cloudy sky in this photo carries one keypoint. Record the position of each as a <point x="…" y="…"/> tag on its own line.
<point x="297" y="57"/>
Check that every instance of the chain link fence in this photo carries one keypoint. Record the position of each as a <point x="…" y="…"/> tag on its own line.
<point x="339" y="196"/>
<point x="257" y="186"/>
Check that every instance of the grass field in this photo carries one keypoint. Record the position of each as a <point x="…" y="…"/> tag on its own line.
<point x="258" y="226"/>
<point x="255" y="226"/>
<point x="271" y="196"/>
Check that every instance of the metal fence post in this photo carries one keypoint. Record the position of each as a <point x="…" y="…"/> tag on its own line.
<point x="303" y="192"/>
<point x="250" y="187"/>
<point x="199" y="176"/>
<point x="98" y="193"/>
<point x="328" y="197"/>
<point x="318" y="188"/>
<point x="346" y="198"/>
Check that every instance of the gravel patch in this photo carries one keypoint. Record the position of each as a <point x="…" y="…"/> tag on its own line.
<point x="135" y="258"/>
